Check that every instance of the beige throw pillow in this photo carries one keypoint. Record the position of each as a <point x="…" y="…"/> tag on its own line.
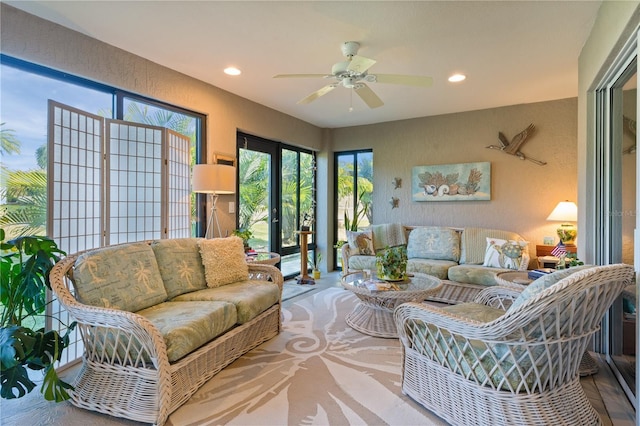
<point x="224" y="261"/>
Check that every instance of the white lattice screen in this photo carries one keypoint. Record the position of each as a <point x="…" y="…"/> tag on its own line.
<point x="113" y="182"/>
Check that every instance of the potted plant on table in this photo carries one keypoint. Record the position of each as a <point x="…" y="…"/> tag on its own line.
<point x="25" y="264"/>
<point x="246" y="235"/>
<point x="391" y="263"/>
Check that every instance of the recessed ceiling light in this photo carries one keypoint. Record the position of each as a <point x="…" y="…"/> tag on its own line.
<point x="456" y="78"/>
<point x="232" y="71"/>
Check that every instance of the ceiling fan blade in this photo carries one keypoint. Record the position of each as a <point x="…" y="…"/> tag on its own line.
<point x="368" y="96"/>
<point x="315" y="95"/>
<point x="360" y="64"/>
<point x="300" y="76"/>
<point x="408" y="80"/>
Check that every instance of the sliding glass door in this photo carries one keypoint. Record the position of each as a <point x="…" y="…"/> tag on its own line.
<point x="615" y="200"/>
<point x="276" y="193"/>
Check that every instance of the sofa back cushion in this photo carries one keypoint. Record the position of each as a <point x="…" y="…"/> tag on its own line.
<point x="124" y="277"/>
<point x="180" y="265"/>
<point x="224" y="261"/>
<point x="388" y="235"/>
<point x="474" y="243"/>
<point x="434" y="242"/>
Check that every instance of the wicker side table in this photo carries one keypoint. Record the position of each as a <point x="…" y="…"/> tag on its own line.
<point x="514" y="279"/>
<point x="373" y="315"/>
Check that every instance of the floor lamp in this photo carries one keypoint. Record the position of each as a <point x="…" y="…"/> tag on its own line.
<point x="214" y="180"/>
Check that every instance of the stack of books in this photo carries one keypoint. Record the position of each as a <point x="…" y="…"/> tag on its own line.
<point x="537" y="273"/>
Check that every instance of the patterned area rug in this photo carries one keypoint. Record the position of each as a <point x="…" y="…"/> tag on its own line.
<point x="318" y="371"/>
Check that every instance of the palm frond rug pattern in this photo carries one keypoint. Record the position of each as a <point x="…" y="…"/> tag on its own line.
<point x="318" y="371"/>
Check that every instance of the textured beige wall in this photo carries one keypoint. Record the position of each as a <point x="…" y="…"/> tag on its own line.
<point x="30" y="38"/>
<point x="522" y="193"/>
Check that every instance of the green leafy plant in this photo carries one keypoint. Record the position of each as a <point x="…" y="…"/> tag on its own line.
<point x="315" y="264"/>
<point x="391" y="263"/>
<point x="245" y="234"/>
<point x="24" y="344"/>
<point x="571" y="259"/>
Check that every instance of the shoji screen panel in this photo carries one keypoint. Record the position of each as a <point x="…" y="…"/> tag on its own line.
<point x="178" y="185"/>
<point x="75" y="197"/>
<point x="75" y="178"/>
<point x="134" y="182"/>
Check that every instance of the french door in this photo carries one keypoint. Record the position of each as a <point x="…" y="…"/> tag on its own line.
<point x="276" y="191"/>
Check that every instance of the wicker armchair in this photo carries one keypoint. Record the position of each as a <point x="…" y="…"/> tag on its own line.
<point x="519" y="366"/>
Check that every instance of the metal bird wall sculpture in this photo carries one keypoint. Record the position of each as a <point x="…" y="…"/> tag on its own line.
<point x="513" y="147"/>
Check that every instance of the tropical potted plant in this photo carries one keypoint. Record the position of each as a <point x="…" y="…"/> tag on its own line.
<point x="24" y="341"/>
<point x="315" y="265"/>
<point x="245" y="234"/>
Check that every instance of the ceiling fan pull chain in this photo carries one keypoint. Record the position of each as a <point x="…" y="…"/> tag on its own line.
<point x="351" y="100"/>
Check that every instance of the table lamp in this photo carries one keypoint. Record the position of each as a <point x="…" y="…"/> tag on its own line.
<point x="214" y="180"/>
<point x="566" y="211"/>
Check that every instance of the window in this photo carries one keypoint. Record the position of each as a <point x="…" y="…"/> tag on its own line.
<point x="353" y="191"/>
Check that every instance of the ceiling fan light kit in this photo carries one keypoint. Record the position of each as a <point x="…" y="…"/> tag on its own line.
<point x="353" y="73"/>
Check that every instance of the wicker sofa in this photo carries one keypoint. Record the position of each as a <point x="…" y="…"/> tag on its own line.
<point x="463" y="258"/>
<point x="509" y="357"/>
<point x="158" y="319"/>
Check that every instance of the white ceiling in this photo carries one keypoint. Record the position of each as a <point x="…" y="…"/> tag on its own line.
<point x="512" y="52"/>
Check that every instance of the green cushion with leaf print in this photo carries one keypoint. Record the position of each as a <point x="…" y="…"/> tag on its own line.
<point x="124" y="277"/>
<point x="251" y="297"/>
<point x="185" y="326"/>
<point x="180" y="265"/>
<point x="434" y="242"/>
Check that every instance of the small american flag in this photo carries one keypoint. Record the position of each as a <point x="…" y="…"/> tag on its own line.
<point x="559" y="250"/>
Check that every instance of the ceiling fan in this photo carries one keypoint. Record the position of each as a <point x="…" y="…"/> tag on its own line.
<point x="353" y="74"/>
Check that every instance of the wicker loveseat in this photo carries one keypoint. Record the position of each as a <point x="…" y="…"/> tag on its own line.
<point x="158" y="319"/>
<point x="509" y="357"/>
<point x="462" y="258"/>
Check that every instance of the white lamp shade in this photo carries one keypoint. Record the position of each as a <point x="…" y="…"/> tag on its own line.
<point x="565" y="211"/>
<point x="214" y="179"/>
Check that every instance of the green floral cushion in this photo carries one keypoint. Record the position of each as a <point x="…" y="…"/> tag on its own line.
<point x="474" y="242"/>
<point x="475" y="311"/>
<point x="543" y="283"/>
<point x="180" y="265"/>
<point x="474" y="274"/>
<point x="506" y="254"/>
<point x="185" y="326"/>
<point x="434" y="242"/>
<point x="437" y="268"/>
<point x="124" y="277"/>
<point x="361" y="262"/>
<point x="251" y="297"/>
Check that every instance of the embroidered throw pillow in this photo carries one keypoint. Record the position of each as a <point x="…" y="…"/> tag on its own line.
<point x="507" y="254"/>
<point x="224" y="261"/>
<point x="360" y="242"/>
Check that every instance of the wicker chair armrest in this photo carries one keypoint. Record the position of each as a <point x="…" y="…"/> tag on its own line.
<point x="258" y="271"/>
<point x="498" y="297"/>
<point x="409" y="314"/>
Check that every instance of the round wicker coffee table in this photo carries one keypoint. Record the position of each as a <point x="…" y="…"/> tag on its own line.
<point x="373" y="315"/>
